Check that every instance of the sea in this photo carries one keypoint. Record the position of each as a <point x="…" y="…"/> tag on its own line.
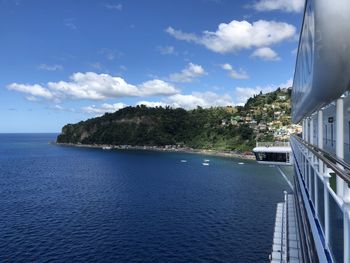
<point x="70" y="204"/>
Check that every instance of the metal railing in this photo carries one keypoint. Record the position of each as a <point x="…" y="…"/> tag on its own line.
<point x="339" y="166"/>
<point x="271" y="144"/>
<point x="324" y="179"/>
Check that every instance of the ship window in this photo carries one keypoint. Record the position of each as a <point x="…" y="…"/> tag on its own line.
<point x="332" y="134"/>
<point x="271" y="157"/>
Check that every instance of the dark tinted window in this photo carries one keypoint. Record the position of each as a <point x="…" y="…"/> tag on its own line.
<point x="271" y="157"/>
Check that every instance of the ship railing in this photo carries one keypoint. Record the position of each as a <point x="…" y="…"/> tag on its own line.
<point x="325" y="181"/>
<point x="272" y="144"/>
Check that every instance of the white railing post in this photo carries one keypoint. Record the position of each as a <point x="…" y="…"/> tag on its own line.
<point x="307" y="129"/>
<point x="311" y="130"/>
<point x="326" y="177"/>
<point x="320" y="145"/>
<point x="311" y="160"/>
<point x="320" y="129"/>
<point x="346" y="222"/>
<point x="316" y="166"/>
<point x="339" y="146"/>
<point x="305" y="168"/>
<point x="346" y="227"/>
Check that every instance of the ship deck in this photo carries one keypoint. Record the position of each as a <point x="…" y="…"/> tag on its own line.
<point x="286" y="242"/>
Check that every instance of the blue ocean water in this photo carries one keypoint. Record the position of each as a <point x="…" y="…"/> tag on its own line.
<point x="66" y="204"/>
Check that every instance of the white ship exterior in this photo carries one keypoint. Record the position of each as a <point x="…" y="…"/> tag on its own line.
<point x="279" y="153"/>
<point x="321" y="102"/>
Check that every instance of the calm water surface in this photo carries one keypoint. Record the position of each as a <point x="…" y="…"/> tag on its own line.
<point x="63" y="204"/>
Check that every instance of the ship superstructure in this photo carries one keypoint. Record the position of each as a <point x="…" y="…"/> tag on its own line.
<point x="321" y="102"/>
<point x="279" y="153"/>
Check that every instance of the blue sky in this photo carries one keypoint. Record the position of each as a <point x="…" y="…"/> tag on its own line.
<point x="63" y="61"/>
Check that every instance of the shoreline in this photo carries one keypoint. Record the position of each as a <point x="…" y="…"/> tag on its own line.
<point x="163" y="149"/>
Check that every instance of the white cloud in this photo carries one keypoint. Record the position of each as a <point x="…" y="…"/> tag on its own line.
<point x="156" y="87"/>
<point x="166" y="50"/>
<point x="117" y="7"/>
<point x="93" y="86"/>
<point x="186" y="101"/>
<point x="238" y="35"/>
<point x="240" y="74"/>
<point x="226" y="66"/>
<point x="205" y="100"/>
<point x="32" y="98"/>
<point x="189" y="73"/>
<point x="191" y="101"/>
<point x="266" y="53"/>
<point x="283" y="5"/>
<point x="105" y="107"/>
<point x="58" y="107"/>
<point x="242" y="94"/>
<point x="178" y="34"/>
<point x="287" y="84"/>
<point x="54" y="67"/>
<point x="152" y="104"/>
<point x="33" y="90"/>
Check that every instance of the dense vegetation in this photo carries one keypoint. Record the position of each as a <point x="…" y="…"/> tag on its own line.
<point x="140" y="125"/>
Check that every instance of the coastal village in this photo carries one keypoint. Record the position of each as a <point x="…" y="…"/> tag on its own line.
<point x="268" y="115"/>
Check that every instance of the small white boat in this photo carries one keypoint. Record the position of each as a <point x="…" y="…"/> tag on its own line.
<point x="107" y="148"/>
<point x="241" y="163"/>
<point x="206" y="164"/>
<point x="184" y="161"/>
<point x="206" y="160"/>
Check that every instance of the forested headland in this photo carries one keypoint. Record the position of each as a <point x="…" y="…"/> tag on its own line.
<point x="218" y="128"/>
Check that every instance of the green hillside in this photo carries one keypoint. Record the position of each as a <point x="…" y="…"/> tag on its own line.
<point x="221" y="128"/>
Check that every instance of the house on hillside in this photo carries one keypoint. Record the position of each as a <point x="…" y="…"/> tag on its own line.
<point x="262" y="127"/>
<point x="253" y="124"/>
<point x="236" y="120"/>
<point x="231" y="109"/>
<point x="248" y="119"/>
<point x="277" y="114"/>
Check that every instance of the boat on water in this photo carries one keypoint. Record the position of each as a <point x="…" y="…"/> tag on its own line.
<point x="205" y="164"/>
<point x="313" y="221"/>
<point x="107" y="148"/>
